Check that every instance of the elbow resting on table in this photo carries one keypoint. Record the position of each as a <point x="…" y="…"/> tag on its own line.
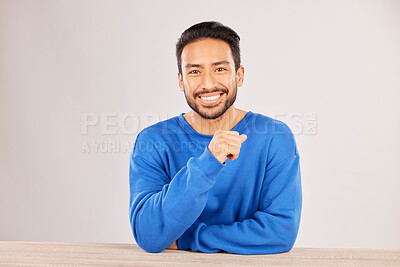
<point x="149" y="245"/>
<point x="150" y="240"/>
<point x="283" y="238"/>
<point x="151" y="248"/>
<point x="284" y="246"/>
<point x="289" y="241"/>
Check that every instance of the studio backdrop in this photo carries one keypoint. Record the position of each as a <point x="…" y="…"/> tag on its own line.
<point x="80" y="78"/>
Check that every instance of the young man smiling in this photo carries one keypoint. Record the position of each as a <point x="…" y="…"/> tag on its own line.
<point x="216" y="178"/>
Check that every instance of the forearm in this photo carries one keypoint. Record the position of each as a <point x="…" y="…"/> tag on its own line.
<point x="262" y="234"/>
<point x="272" y="229"/>
<point x="160" y="211"/>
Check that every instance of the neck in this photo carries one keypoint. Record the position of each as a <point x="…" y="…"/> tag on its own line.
<point x="226" y="122"/>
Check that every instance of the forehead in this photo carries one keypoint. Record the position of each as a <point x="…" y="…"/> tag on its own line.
<point x="206" y="50"/>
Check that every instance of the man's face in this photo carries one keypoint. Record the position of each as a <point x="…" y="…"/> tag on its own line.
<point x="208" y="78"/>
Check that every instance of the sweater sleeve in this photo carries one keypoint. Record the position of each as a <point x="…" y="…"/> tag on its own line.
<point x="272" y="229"/>
<point x="162" y="208"/>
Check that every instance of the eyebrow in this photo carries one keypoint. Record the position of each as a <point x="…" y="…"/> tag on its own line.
<point x="213" y="64"/>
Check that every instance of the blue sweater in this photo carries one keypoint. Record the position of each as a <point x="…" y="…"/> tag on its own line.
<point x="180" y="191"/>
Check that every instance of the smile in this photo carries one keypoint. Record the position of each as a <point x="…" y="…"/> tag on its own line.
<point x="211" y="98"/>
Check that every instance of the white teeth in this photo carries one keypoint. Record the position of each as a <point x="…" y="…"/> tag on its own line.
<point x="209" y="98"/>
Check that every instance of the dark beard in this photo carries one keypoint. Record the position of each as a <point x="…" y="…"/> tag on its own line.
<point x="230" y="100"/>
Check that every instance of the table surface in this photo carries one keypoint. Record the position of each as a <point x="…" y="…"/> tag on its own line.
<point x="94" y="254"/>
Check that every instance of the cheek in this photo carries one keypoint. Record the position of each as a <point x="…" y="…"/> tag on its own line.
<point x="218" y="81"/>
<point x="229" y="81"/>
<point x="191" y="84"/>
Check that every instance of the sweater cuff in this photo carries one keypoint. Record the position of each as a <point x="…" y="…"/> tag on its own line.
<point x="209" y="164"/>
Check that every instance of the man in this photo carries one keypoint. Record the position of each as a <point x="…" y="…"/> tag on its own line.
<point x="216" y="178"/>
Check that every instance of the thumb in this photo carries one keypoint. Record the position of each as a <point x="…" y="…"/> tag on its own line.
<point x="243" y="138"/>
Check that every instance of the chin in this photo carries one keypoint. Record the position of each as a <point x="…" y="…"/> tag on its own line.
<point x="211" y="115"/>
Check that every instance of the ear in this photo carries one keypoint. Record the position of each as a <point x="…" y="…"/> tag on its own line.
<point x="240" y="76"/>
<point x="180" y="80"/>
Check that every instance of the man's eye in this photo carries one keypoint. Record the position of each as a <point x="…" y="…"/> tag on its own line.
<point x="221" y="69"/>
<point x="194" y="72"/>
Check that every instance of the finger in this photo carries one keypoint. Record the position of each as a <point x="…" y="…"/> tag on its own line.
<point x="234" y="150"/>
<point x="232" y="138"/>
<point x="222" y="132"/>
<point x="227" y="151"/>
<point x="232" y="146"/>
<point x="243" y="138"/>
<point x="233" y="133"/>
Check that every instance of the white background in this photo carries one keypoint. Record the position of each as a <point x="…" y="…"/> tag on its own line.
<point x="61" y="60"/>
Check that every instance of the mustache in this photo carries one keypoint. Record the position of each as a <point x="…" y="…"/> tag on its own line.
<point x="223" y="90"/>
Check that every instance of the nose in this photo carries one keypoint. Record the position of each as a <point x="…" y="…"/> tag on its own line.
<point x="209" y="81"/>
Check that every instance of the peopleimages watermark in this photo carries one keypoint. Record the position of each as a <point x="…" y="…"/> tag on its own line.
<point x="113" y="123"/>
<point x="106" y="129"/>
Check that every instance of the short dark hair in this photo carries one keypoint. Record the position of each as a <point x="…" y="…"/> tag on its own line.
<point x="213" y="30"/>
